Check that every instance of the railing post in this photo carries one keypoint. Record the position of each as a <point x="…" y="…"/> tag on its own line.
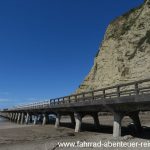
<point x="136" y="89"/>
<point x="54" y="101"/>
<point x="50" y="102"/>
<point x="118" y="91"/>
<point x="69" y="99"/>
<point x="83" y="96"/>
<point x="92" y="96"/>
<point x="104" y="96"/>
<point x="76" y="98"/>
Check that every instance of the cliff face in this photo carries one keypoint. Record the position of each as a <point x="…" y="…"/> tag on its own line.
<point x="124" y="54"/>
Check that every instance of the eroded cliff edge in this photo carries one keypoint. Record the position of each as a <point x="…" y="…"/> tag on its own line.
<point x="124" y="54"/>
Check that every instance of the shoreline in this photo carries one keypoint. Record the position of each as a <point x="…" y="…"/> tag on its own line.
<point x="30" y="137"/>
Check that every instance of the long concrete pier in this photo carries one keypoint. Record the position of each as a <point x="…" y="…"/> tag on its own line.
<point x="121" y="100"/>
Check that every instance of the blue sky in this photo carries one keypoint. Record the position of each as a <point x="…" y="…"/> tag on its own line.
<point x="47" y="47"/>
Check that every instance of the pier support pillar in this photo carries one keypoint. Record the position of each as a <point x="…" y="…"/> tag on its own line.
<point x="136" y="120"/>
<point x="96" y="120"/>
<point x="117" y="125"/>
<point x="13" y="117"/>
<point x="35" y="120"/>
<point x="16" y="116"/>
<point x="72" y="120"/>
<point x="27" y="118"/>
<point x="22" y="118"/>
<point x="57" y="122"/>
<point x="78" y="120"/>
<point x="12" y="114"/>
<point x="45" y="119"/>
<point x="40" y="118"/>
<point x="9" y="116"/>
<point x="18" y="119"/>
<point x="30" y="118"/>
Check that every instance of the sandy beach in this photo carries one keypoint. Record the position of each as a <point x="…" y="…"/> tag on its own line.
<point x="38" y="137"/>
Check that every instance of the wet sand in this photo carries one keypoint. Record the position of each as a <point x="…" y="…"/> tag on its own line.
<point x="38" y="137"/>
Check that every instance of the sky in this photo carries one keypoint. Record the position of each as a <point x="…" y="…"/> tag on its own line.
<point x="47" y="47"/>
